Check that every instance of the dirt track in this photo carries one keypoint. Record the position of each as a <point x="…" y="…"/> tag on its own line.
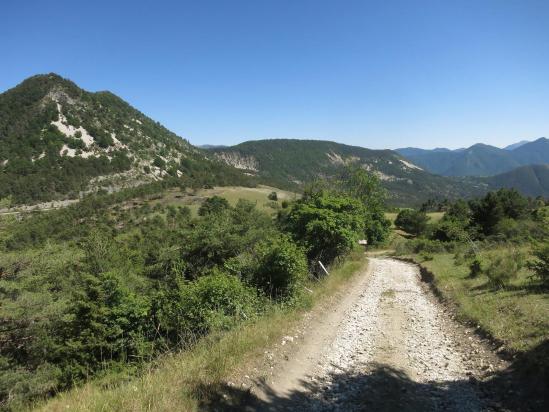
<point x="386" y="345"/>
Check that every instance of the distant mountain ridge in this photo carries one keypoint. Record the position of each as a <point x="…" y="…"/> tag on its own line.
<point x="58" y="141"/>
<point x="291" y="163"/>
<point x="531" y="180"/>
<point x="516" y="145"/>
<point x="479" y="159"/>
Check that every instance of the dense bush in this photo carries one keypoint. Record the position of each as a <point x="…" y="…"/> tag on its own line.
<point x="475" y="268"/>
<point x="412" y="221"/>
<point x="449" y="230"/>
<point x="215" y="302"/>
<point x="502" y="268"/>
<point x="104" y="323"/>
<point x="327" y="224"/>
<point x="540" y="264"/>
<point x="214" y="204"/>
<point x="281" y="267"/>
<point x="488" y="212"/>
<point x="219" y="236"/>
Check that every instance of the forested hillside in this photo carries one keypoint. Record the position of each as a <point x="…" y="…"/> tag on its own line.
<point x="57" y="140"/>
<point x="291" y="163"/>
<point x="529" y="180"/>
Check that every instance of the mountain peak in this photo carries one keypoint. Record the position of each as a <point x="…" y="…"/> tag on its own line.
<point x="79" y="141"/>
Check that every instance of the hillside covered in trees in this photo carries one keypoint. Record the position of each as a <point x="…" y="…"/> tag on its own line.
<point x="57" y="140"/>
<point x="290" y="163"/>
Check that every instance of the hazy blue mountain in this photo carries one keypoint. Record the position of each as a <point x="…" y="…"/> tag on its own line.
<point x="536" y="152"/>
<point x="532" y="180"/>
<point x="515" y="145"/>
<point x="479" y="159"/>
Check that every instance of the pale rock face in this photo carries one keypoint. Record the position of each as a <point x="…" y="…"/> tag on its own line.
<point x="335" y="158"/>
<point x="69" y="130"/>
<point x="410" y="165"/>
<point x="238" y="161"/>
<point x="67" y="151"/>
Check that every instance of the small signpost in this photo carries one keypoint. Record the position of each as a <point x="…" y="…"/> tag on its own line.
<point x="323" y="268"/>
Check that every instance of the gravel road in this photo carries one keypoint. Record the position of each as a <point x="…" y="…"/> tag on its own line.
<point x="387" y="345"/>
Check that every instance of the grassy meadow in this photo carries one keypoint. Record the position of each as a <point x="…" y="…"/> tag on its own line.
<point x="193" y="198"/>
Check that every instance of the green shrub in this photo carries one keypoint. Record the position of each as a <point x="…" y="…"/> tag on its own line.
<point x="281" y="269"/>
<point x="214" y="204"/>
<point x="327" y="224"/>
<point x="449" y="230"/>
<point x="214" y="302"/>
<point x="502" y="268"/>
<point x="489" y="211"/>
<point x="273" y="196"/>
<point x="412" y="221"/>
<point x="540" y="265"/>
<point x="475" y="268"/>
<point x="159" y="162"/>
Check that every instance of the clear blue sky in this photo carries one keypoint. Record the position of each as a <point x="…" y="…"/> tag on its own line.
<point x="381" y="74"/>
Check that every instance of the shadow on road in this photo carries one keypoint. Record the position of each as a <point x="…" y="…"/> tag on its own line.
<point x="521" y="387"/>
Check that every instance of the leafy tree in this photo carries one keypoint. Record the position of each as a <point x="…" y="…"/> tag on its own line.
<point x="326" y="223"/>
<point x="367" y="188"/>
<point x="540" y="264"/>
<point x="214" y="204"/>
<point x="281" y="267"/>
<point x="458" y="211"/>
<point x="273" y="196"/>
<point x="412" y="221"/>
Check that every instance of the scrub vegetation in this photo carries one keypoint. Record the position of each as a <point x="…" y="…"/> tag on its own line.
<point x="102" y="288"/>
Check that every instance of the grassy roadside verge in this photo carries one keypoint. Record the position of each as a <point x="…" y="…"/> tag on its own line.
<point x="182" y="381"/>
<point x="517" y="316"/>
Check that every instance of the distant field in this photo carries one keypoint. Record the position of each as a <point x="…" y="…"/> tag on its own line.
<point x="194" y="198"/>
<point x="434" y="217"/>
